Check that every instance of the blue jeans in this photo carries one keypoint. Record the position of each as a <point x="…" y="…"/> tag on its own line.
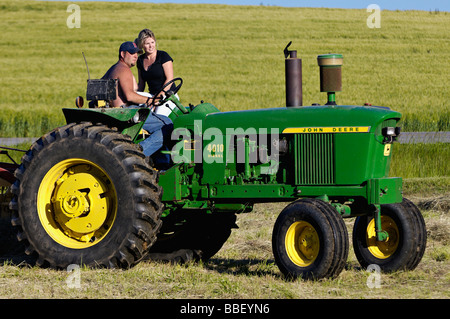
<point x="160" y="128"/>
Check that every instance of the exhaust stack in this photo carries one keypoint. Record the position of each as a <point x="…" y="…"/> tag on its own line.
<point x="330" y="75"/>
<point x="293" y="72"/>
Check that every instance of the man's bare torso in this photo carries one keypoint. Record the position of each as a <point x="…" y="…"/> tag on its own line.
<point x="117" y="71"/>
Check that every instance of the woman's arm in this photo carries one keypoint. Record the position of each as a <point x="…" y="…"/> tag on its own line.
<point x="168" y="71"/>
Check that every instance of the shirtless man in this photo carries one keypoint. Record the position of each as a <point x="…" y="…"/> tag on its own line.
<point x="127" y="87"/>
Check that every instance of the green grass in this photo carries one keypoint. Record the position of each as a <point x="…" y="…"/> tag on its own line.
<point x="420" y="160"/>
<point x="230" y="56"/>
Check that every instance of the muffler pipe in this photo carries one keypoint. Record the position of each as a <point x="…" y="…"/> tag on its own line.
<point x="293" y="72"/>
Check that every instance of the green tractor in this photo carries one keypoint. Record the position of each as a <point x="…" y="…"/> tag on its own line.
<point x="85" y="193"/>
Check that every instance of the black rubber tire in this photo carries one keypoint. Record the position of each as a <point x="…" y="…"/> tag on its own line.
<point x="340" y="236"/>
<point x="139" y="206"/>
<point x="421" y="232"/>
<point x="411" y="242"/>
<point x="192" y="236"/>
<point x="332" y="234"/>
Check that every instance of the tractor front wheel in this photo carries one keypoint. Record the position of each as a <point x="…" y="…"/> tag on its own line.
<point x="310" y="240"/>
<point x="84" y="195"/>
<point x="405" y="245"/>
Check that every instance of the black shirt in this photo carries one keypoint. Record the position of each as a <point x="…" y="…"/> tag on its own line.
<point x="154" y="76"/>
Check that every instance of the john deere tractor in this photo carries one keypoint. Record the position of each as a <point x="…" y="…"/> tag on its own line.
<point x="86" y="194"/>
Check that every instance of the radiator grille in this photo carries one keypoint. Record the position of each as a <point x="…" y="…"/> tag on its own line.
<point x="314" y="159"/>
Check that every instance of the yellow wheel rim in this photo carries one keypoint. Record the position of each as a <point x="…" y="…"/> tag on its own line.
<point x="77" y="203"/>
<point x="302" y="243"/>
<point x="383" y="249"/>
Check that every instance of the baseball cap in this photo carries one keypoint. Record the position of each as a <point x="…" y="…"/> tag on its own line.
<point x="130" y="47"/>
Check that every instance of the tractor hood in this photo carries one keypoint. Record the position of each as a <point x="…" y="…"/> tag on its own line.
<point x="326" y="119"/>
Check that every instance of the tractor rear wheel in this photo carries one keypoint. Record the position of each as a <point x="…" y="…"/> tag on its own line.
<point x="310" y="240"/>
<point x="84" y="195"/>
<point x="405" y="245"/>
<point x="192" y="236"/>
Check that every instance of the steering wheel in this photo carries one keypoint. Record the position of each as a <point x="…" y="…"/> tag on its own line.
<point x="167" y="93"/>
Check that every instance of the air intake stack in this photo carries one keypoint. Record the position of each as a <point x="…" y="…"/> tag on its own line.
<point x="330" y="75"/>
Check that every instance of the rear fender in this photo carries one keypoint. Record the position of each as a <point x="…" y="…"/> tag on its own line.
<point x="128" y="121"/>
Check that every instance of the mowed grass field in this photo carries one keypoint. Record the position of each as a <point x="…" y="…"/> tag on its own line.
<point x="232" y="57"/>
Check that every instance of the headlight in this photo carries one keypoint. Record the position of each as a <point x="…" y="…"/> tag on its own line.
<point x="390" y="130"/>
<point x="390" y="134"/>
